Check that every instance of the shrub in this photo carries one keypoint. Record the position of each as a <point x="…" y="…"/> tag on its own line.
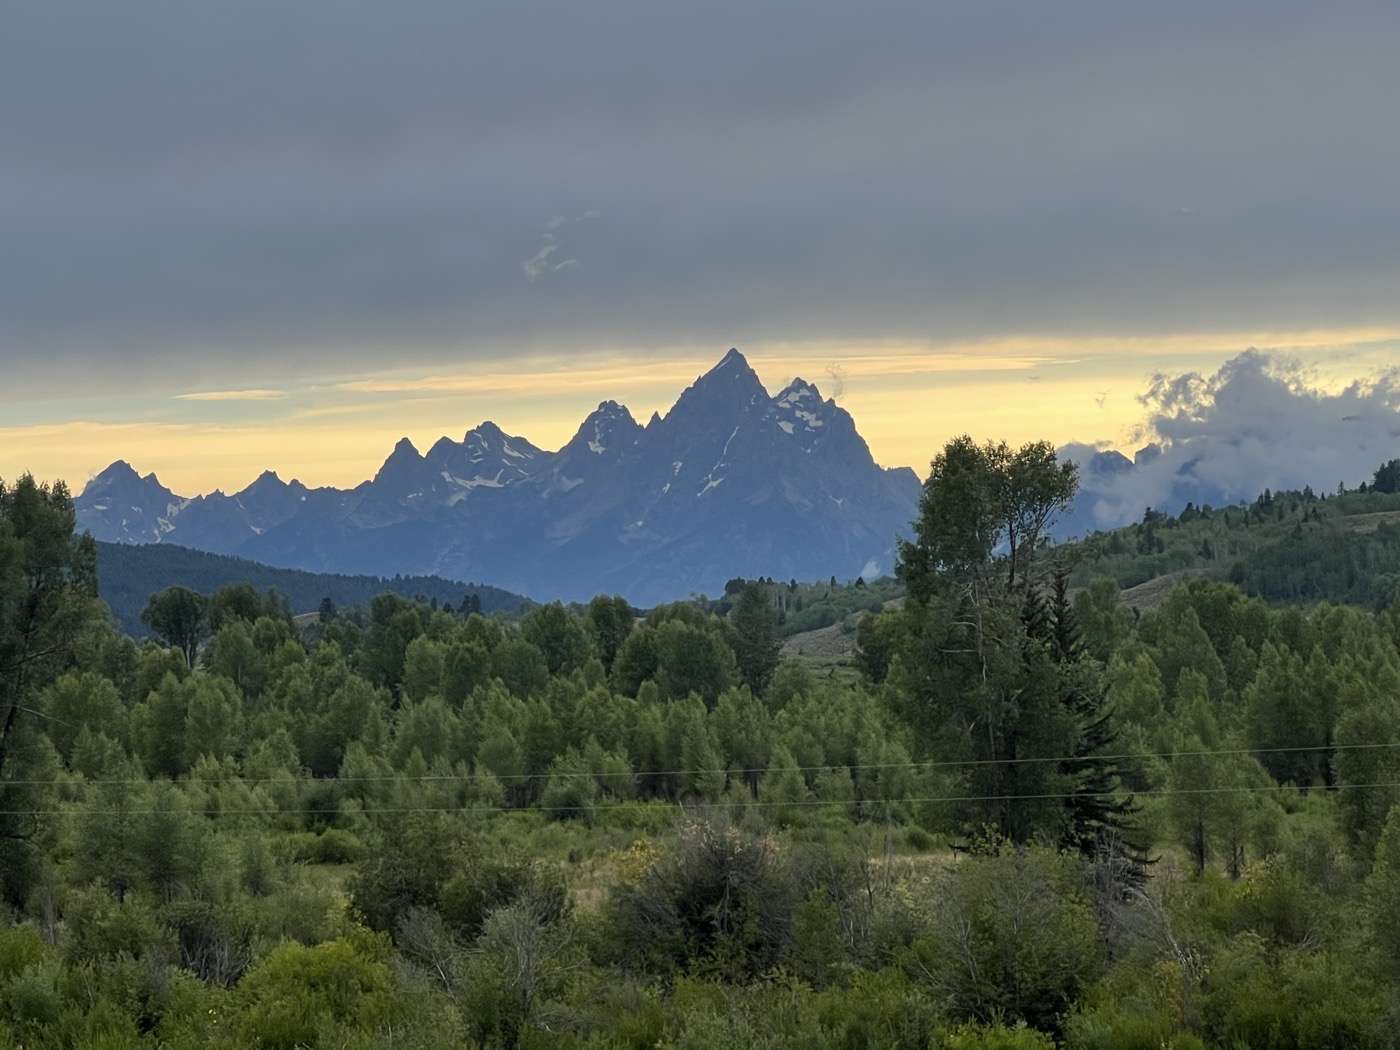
<point x="720" y="899"/>
<point x="1010" y="936"/>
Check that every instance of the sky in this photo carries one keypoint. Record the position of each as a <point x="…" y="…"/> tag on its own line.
<point x="268" y="235"/>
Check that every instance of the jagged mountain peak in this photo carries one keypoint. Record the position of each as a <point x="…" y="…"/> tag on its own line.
<point x="732" y="359"/>
<point x="120" y="469"/>
<point x="403" y="463"/>
<point x="486" y="431"/>
<point x="442" y="448"/>
<point x="122" y="476"/>
<point x="608" y="430"/>
<point x="609" y="409"/>
<point x="728" y="391"/>
<point x="487" y="440"/>
<point x="730" y="481"/>
<point x="799" y="390"/>
<point x="1108" y="462"/>
<point x="268" y="479"/>
<point x="269" y="484"/>
<point x="732" y="368"/>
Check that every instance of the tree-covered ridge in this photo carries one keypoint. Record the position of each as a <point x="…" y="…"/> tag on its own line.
<point x="1297" y="546"/>
<point x="128" y="574"/>
<point x="1038" y="819"/>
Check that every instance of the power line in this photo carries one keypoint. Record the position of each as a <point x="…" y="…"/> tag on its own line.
<point x="732" y="771"/>
<point x="686" y="806"/>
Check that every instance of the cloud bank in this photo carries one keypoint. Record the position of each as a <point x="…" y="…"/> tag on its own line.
<point x="889" y="170"/>
<point x="1260" y="421"/>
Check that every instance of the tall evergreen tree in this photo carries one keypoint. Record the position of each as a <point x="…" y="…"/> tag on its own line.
<point x="755" y="636"/>
<point x="1098" y="816"/>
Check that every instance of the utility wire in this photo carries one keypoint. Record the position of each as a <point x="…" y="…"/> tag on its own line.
<point x="752" y="771"/>
<point x="683" y="806"/>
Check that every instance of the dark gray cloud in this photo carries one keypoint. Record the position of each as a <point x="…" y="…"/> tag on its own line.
<point x="1260" y="421"/>
<point x="211" y="188"/>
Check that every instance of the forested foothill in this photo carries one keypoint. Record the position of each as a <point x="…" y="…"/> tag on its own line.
<point x="129" y="573"/>
<point x="1040" y="816"/>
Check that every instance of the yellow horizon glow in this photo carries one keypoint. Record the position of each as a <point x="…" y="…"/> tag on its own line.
<point x="907" y="398"/>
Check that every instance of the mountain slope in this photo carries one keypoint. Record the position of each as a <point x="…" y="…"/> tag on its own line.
<point x="731" y="481"/>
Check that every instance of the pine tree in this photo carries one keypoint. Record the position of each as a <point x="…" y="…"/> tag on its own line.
<point x="755" y="643"/>
<point x="1098" y="816"/>
<point x="1066" y="639"/>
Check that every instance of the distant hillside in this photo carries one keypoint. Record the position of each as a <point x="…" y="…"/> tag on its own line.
<point x="1284" y="547"/>
<point x="128" y="574"/>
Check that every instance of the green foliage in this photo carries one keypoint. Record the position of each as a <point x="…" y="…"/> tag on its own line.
<point x="311" y="997"/>
<point x="755" y="622"/>
<point x="180" y="618"/>
<point x="1009" y="936"/>
<point x="718" y="900"/>
<point x="577" y="828"/>
<point x="976" y="498"/>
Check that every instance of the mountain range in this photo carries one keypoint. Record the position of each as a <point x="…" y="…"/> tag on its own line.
<point x="730" y="482"/>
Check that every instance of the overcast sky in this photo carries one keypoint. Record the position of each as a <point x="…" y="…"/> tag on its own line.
<point x="290" y="199"/>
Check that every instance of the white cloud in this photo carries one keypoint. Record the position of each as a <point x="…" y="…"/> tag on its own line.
<point x="1260" y="421"/>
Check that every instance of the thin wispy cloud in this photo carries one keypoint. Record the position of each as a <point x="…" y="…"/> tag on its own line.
<point x="259" y="394"/>
<point x="539" y="264"/>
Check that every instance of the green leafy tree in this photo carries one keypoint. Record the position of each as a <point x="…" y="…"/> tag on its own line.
<point x="393" y="623"/>
<point x="1382" y="896"/>
<point x="1285" y="719"/>
<point x="81" y="701"/>
<point x="559" y="635"/>
<point x="976" y="498"/>
<point x="243" y="601"/>
<point x="610" y="620"/>
<point x="159" y="728"/>
<point x="180" y="617"/>
<point x="784" y="790"/>
<point x="521" y="666"/>
<point x="636" y="661"/>
<point x="692" y="659"/>
<point x="48" y="604"/>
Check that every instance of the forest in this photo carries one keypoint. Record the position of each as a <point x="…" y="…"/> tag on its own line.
<point x="129" y="573"/>
<point x="1038" y="817"/>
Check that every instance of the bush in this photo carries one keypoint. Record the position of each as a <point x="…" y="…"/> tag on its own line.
<point x="719" y="900"/>
<point x="337" y="846"/>
<point x="1010" y="936"/>
<point x="295" y="994"/>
